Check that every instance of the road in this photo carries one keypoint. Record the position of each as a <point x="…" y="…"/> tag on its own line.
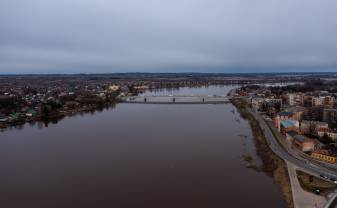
<point x="332" y="203"/>
<point x="290" y="155"/>
<point x="301" y="198"/>
<point x="295" y="161"/>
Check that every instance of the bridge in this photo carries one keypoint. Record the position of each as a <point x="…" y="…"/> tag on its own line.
<point x="180" y="99"/>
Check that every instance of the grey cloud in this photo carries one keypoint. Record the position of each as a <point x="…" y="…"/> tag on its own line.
<point x="74" y="36"/>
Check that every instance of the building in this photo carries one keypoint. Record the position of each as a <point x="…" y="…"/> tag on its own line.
<point x="324" y="155"/>
<point x="317" y="101"/>
<point x="310" y="127"/>
<point x="281" y="116"/>
<point x="303" y="143"/>
<point x="294" y="99"/>
<point x="257" y="103"/>
<point x="289" y="125"/>
<point x="331" y="133"/>
<point x="297" y="111"/>
<point x="307" y="100"/>
<point x="268" y="105"/>
<point x="325" y="100"/>
<point x="330" y="116"/>
<point x="313" y="113"/>
<point x="114" y="88"/>
<point x="291" y="113"/>
<point x="272" y="105"/>
<point x="3" y="118"/>
<point x="328" y="101"/>
<point x="290" y="136"/>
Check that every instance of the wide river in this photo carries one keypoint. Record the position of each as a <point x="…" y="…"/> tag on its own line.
<point x="137" y="156"/>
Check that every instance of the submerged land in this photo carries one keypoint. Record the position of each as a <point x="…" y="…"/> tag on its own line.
<point x="272" y="164"/>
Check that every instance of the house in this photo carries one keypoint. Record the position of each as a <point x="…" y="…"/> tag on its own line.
<point x="314" y="113"/>
<point x="310" y="127"/>
<point x="330" y="116"/>
<point x="268" y="105"/>
<point x="324" y="155"/>
<point x="14" y="116"/>
<point x="271" y="106"/>
<point x="303" y="143"/>
<point x="294" y="99"/>
<point x="328" y="101"/>
<point x="114" y="88"/>
<point x="284" y="115"/>
<point x="290" y="136"/>
<point x="3" y="118"/>
<point x="257" y="103"/>
<point x="31" y="113"/>
<point x="331" y="133"/>
<point x="289" y="125"/>
<point x="297" y="112"/>
<point x="317" y="101"/>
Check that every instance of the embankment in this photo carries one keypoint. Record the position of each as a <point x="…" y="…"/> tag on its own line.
<point x="271" y="163"/>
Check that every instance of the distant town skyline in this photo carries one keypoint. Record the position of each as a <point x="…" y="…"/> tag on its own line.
<point x="100" y="36"/>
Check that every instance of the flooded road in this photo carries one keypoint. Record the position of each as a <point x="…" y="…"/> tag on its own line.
<point x="137" y="155"/>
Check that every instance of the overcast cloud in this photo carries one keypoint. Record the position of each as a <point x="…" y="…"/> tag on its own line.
<point x="75" y="36"/>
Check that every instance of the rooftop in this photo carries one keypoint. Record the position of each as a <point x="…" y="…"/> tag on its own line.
<point x="288" y="123"/>
<point x="285" y="113"/>
<point x="292" y="133"/>
<point x="314" y="122"/>
<point x="295" y="109"/>
<point x="300" y="138"/>
<point x="330" y="109"/>
<point x="327" y="130"/>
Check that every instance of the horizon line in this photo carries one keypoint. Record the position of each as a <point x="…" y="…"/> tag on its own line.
<point x="214" y="73"/>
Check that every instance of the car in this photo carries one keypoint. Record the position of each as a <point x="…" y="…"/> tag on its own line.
<point x="316" y="191"/>
<point x="333" y="180"/>
<point x="324" y="176"/>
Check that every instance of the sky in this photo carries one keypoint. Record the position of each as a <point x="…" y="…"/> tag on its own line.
<point x="106" y="36"/>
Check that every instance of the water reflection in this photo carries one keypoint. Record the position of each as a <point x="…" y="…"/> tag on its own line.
<point x="136" y="155"/>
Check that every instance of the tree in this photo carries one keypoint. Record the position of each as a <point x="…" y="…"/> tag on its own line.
<point x="326" y="139"/>
<point x="45" y="111"/>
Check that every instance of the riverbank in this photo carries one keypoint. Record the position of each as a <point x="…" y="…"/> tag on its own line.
<point x="56" y="116"/>
<point x="271" y="163"/>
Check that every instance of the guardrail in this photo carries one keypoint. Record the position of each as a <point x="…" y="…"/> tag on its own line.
<point x="332" y="203"/>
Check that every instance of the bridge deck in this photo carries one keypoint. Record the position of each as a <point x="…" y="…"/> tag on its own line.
<point x="176" y="99"/>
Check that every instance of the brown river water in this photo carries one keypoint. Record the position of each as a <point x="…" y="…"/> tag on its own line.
<point x="136" y="156"/>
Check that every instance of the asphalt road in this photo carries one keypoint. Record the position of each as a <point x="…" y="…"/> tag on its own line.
<point x="290" y="155"/>
<point x="302" y="198"/>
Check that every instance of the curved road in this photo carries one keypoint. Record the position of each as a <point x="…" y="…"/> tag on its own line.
<point x="299" y="161"/>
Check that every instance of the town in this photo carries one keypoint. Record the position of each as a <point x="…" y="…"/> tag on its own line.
<point x="305" y="115"/>
<point x="46" y="98"/>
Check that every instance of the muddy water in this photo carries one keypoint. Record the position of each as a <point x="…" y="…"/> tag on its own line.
<point x="136" y="155"/>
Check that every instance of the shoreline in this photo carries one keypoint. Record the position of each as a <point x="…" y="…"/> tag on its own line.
<point x="271" y="163"/>
<point x="60" y="115"/>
